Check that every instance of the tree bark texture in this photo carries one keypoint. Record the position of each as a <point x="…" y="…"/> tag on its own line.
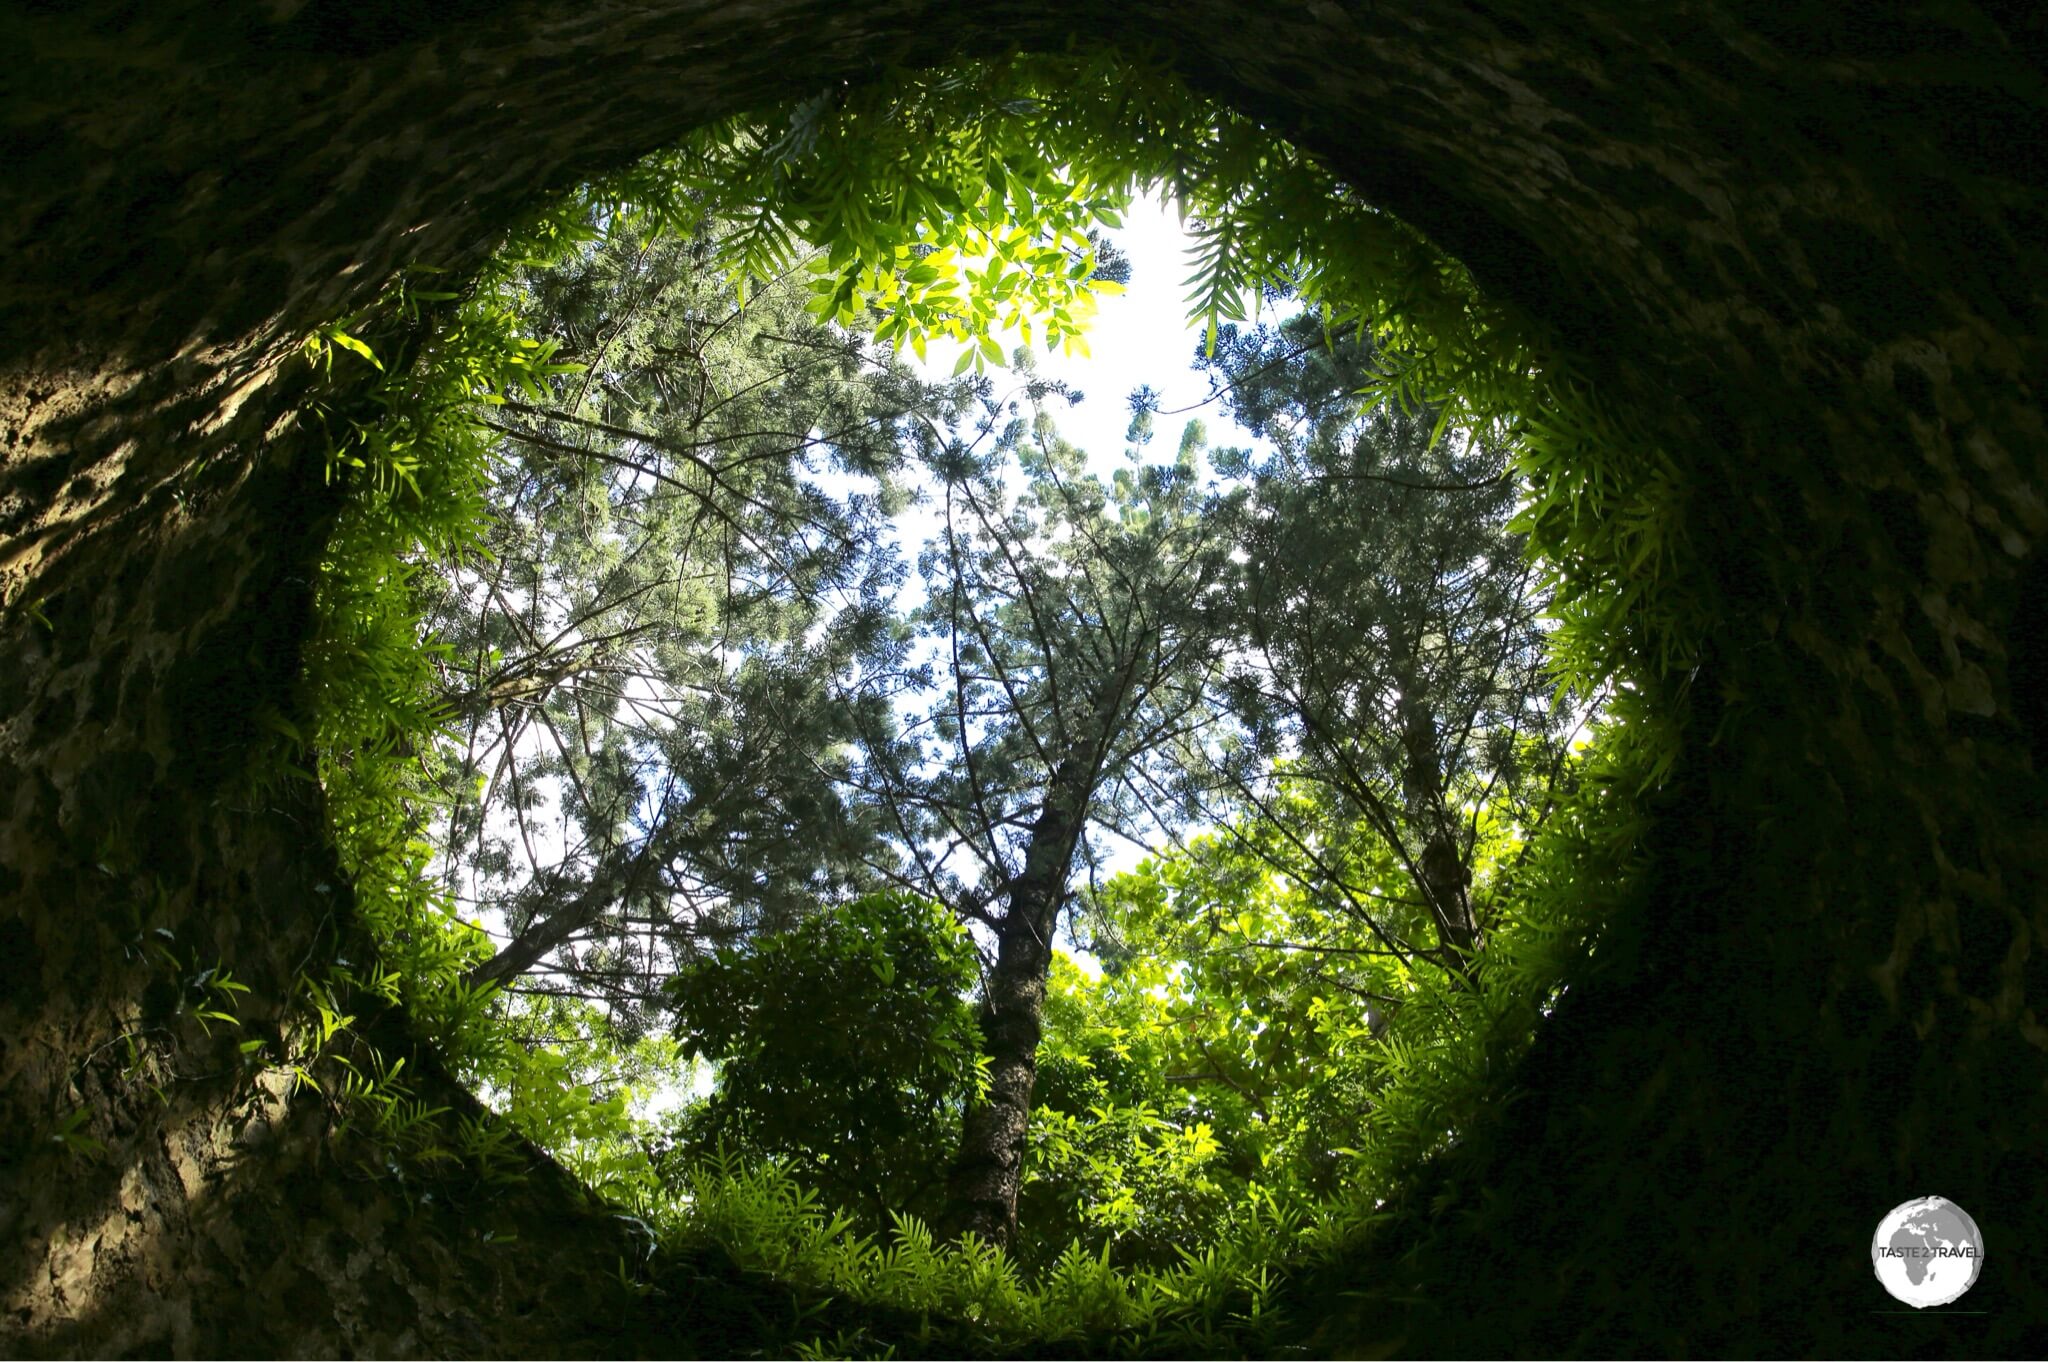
<point x="986" y="1176"/>
<point x="1796" y="249"/>
<point x="1444" y="874"/>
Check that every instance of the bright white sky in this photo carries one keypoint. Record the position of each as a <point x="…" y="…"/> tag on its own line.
<point x="1140" y="337"/>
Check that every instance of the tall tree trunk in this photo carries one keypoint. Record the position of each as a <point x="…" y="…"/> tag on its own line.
<point x="1445" y="878"/>
<point x="982" y="1191"/>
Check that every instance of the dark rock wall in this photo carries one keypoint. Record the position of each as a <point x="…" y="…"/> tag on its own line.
<point x="1797" y="246"/>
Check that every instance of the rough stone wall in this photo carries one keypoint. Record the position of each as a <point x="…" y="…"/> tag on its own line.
<point x="215" y="1214"/>
<point x="1798" y="245"/>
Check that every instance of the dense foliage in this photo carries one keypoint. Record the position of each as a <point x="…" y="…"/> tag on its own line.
<point x="642" y="652"/>
<point x="845" y="1049"/>
<point x="651" y="539"/>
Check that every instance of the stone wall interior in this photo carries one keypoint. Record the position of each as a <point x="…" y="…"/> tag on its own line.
<point x="1801" y="245"/>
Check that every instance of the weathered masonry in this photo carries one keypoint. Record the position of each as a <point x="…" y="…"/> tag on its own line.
<point x="1802" y="244"/>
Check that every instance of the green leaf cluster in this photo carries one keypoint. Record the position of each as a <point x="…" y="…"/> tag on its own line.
<point x="845" y="1050"/>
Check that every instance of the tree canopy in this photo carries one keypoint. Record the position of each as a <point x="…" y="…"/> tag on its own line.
<point x="733" y="786"/>
<point x="640" y="658"/>
<point x="700" y="713"/>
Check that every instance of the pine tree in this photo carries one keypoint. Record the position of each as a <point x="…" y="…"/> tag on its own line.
<point x="1392" y="647"/>
<point x="1071" y="654"/>
<point x="687" y="550"/>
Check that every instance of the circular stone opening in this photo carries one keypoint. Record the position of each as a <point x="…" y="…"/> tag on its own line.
<point x="828" y="785"/>
<point x="1782" y="261"/>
